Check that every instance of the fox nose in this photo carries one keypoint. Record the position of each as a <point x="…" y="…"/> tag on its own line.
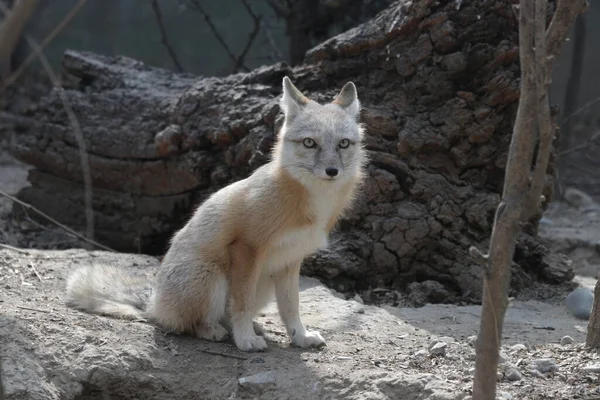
<point x="331" y="171"/>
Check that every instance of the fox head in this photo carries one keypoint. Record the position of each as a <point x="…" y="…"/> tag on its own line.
<point x="320" y="143"/>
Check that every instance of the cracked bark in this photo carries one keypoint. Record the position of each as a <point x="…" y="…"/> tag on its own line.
<point x="439" y="87"/>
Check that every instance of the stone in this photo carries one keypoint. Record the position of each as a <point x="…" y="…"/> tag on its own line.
<point x="545" y="365"/>
<point x="502" y="357"/>
<point x="513" y="374"/>
<point x="592" y="368"/>
<point x="517" y="348"/>
<point x="566" y="340"/>
<point x="358" y="299"/>
<point x="438" y="349"/>
<point x="579" y="302"/>
<point x="257" y="383"/>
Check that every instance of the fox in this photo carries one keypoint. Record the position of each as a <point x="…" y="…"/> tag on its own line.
<point x="246" y="242"/>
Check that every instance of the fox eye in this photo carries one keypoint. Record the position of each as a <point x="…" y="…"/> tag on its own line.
<point x="309" y="143"/>
<point x="344" y="143"/>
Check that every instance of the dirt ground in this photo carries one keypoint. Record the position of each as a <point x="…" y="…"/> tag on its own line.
<point x="52" y="352"/>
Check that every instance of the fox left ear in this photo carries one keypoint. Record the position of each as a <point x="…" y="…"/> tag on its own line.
<point x="348" y="100"/>
<point x="292" y="101"/>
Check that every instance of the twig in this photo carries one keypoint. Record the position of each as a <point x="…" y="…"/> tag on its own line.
<point x="216" y="33"/>
<point x="545" y="328"/>
<point x="218" y="353"/>
<point x="34" y="309"/>
<point x="255" y="30"/>
<point x="564" y="16"/>
<point x="10" y="31"/>
<point x="164" y="37"/>
<point x="49" y="218"/>
<point x="9" y="247"/>
<point x="85" y="165"/>
<point x="591" y="142"/>
<point x="280" y="10"/>
<point x="13" y="77"/>
<point x="278" y="56"/>
<point x="36" y="273"/>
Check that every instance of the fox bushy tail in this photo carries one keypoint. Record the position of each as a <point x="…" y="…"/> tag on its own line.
<point x="109" y="291"/>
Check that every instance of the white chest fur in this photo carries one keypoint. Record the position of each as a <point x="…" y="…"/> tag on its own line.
<point x="295" y="244"/>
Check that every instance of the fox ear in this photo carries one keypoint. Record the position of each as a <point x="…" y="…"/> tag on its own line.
<point x="292" y="99"/>
<point x="348" y="100"/>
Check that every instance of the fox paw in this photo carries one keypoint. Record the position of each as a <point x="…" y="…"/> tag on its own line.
<point x="251" y="343"/>
<point x="215" y="333"/>
<point x="309" y="339"/>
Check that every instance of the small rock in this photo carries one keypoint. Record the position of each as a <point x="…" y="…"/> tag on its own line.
<point x="343" y="358"/>
<point x="499" y="376"/>
<point x="358" y="299"/>
<point x="565" y="340"/>
<point x="518" y="348"/>
<point x="472" y="340"/>
<point x="579" y="302"/>
<point x="512" y="374"/>
<point x="421" y="354"/>
<point x="536" y="373"/>
<point x="438" y="349"/>
<point x="592" y="368"/>
<point x="361" y="311"/>
<point x="502" y="357"/>
<point x="504" y="396"/>
<point x="258" y="382"/>
<point x="578" y="198"/>
<point x="545" y="365"/>
<point x="257" y="360"/>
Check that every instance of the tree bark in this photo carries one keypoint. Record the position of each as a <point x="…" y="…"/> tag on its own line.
<point x="593" y="334"/>
<point x="439" y="85"/>
<point x="525" y="176"/>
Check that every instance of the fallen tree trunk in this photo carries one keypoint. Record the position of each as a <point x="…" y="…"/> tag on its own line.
<point x="439" y="84"/>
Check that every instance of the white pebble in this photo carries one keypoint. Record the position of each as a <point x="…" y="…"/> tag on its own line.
<point x="502" y="358"/>
<point x="518" y="348"/>
<point x="438" y="349"/>
<point x="592" y="368"/>
<point x="512" y="374"/>
<point x="545" y="365"/>
<point x="565" y="340"/>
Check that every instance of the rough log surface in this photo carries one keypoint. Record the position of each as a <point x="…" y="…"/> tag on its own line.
<point x="439" y="84"/>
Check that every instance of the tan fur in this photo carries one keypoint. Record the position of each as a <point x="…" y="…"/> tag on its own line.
<point x="247" y="241"/>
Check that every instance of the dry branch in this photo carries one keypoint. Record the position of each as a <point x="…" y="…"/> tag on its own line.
<point x="164" y="36"/>
<point x="217" y="34"/>
<point x="10" y="32"/>
<point x="49" y="218"/>
<point x="522" y="187"/>
<point x="35" y="54"/>
<point x="251" y="38"/>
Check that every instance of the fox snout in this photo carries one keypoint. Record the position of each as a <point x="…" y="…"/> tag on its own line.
<point x="328" y="172"/>
<point x="331" y="172"/>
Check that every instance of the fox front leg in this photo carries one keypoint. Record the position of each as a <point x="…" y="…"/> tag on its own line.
<point x="287" y="292"/>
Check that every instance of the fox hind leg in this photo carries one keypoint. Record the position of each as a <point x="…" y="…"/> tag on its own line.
<point x="210" y="327"/>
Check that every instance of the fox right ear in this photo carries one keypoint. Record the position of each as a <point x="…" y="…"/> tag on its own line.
<point x="292" y="99"/>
